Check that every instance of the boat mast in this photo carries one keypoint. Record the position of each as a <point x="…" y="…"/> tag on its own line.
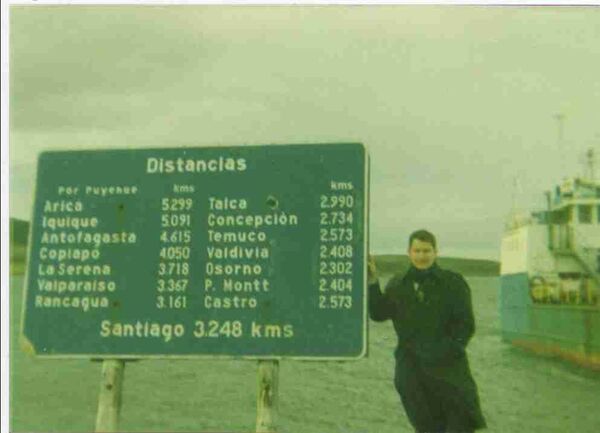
<point x="590" y="161"/>
<point x="560" y="122"/>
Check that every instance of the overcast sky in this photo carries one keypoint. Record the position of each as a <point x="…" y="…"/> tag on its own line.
<point x="453" y="103"/>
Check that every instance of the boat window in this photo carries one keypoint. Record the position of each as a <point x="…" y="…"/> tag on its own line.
<point x="585" y="213"/>
<point x="559" y="216"/>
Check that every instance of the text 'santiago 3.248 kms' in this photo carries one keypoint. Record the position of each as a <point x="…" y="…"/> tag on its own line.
<point x="236" y="251"/>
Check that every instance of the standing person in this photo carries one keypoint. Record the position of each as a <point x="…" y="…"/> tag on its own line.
<point x="432" y="315"/>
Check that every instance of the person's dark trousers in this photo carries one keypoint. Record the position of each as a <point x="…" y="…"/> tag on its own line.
<point x="423" y="413"/>
<point x="427" y="411"/>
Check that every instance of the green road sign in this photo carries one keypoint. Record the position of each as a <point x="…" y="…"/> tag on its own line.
<point x="254" y="251"/>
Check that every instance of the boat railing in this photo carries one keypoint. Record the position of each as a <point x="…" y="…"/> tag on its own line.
<point x="566" y="242"/>
<point x="573" y="289"/>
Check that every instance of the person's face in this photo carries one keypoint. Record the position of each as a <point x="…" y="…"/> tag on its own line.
<point x="421" y="254"/>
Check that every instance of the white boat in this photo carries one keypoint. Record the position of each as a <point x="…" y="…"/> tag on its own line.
<point x="550" y="274"/>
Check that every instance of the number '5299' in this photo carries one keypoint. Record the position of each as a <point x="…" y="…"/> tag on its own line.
<point x="176" y="204"/>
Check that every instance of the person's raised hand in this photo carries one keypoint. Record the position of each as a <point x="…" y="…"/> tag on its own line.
<point x="371" y="271"/>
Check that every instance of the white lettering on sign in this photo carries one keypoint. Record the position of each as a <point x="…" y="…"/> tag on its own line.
<point x="103" y="191"/>
<point x="237" y="269"/>
<point x="181" y="165"/>
<point x="341" y="186"/>
<point x="62" y="286"/>
<point x="237" y="252"/>
<point x="74" y="270"/>
<point x="76" y="223"/>
<point x="227" y="203"/>
<point x="93" y="238"/>
<point x="258" y="330"/>
<point x="139" y="329"/>
<point x="254" y="221"/>
<point x="255" y="285"/>
<point x="63" y="206"/>
<point x="183" y="189"/>
<point x="217" y="329"/>
<point x="233" y="237"/>
<point x="62" y="254"/>
<point x="226" y="302"/>
<point x="84" y="303"/>
<point x="68" y="190"/>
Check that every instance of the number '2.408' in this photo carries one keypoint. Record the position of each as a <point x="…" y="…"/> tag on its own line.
<point x="336" y="251"/>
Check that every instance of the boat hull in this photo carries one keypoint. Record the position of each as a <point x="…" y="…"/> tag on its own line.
<point x="570" y="332"/>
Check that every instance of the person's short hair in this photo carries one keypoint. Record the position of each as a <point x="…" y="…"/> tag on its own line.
<point x="423" y="236"/>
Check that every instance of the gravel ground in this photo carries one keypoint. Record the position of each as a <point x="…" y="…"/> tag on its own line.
<point x="519" y="392"/>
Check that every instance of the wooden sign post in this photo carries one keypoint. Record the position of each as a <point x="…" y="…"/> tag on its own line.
<point x="109" y="402"/>
<point x="267" y="401"/>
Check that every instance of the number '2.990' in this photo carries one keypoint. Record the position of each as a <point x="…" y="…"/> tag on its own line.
<point x="337" y="201"/>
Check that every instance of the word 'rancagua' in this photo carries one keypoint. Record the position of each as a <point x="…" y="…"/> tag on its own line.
<point x="84" y="303"/>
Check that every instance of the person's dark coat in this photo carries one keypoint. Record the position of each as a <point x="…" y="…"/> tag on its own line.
<point x="433" y="317"/>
